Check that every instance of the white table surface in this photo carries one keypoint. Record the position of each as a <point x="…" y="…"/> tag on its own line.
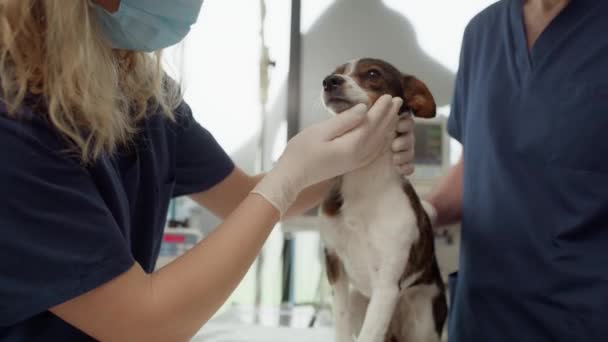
<point x="253" y="333"/>
<point x="246" y="324"/>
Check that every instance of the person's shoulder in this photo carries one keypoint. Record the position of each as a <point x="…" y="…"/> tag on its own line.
<point x="487" y="18"/>
<point x="485" y="28"/>
<point x="491" y="13"/>
<point x="26" y="132"/>
<point x="183" y="117"/>
<point x="20" y="122"/>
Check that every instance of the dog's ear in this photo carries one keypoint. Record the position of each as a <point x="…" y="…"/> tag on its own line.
<point x="417" y="97"/>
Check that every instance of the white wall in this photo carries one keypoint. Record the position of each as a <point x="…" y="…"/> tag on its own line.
<point x="219" y="69"/>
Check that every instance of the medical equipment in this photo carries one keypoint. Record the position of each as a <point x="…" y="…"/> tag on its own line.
<point x="432" y="156"/>
<point x="176" y="241"/>
<point x="265" y="65"/>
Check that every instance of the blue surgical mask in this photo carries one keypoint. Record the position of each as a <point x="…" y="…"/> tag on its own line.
<point x="148" y="25"/>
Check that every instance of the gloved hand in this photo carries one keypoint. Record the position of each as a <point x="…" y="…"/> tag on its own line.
<point x="403" y="146"/>
<point x="346" y="142"/>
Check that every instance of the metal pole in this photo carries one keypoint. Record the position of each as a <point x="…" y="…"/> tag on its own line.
<point x="265" y="63"/>
<point x="293" y="127"/>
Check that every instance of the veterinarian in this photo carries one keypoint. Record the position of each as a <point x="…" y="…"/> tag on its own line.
<point x="94" y="143"/>
<point x="531" y="110"/>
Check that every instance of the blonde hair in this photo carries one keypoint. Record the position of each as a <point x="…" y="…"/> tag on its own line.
<point x="93" y="95"/>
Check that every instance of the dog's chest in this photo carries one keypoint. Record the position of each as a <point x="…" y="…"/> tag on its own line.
<point x="374" y="226"/>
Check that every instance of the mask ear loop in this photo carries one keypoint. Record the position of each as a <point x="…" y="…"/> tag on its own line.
<point x="95" y="21"/>
<point x="94" y="6"/>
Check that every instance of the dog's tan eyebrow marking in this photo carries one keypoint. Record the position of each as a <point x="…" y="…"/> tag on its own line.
<point x="340" y="70"/>
<point x="351" y="67"/>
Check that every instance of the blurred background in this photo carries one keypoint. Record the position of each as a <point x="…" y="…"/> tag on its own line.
<point x="252" y="71"/>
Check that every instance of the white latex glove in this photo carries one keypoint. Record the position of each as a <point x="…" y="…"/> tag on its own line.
<point x="345" y="142"/>
<point x="403" y="146"/>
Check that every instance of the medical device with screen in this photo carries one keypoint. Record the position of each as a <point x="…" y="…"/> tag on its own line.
<point x="432" y="149"/>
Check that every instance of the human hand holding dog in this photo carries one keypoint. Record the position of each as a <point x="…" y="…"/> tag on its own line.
<point x="403" y="157"/>
<point x="346" y="142"/>
<point x="403" y="146"/>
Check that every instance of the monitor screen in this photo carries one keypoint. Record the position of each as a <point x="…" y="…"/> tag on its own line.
<point x="429" y="145"/>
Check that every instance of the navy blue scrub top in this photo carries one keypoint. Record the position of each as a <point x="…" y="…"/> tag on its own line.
<point x="534" y="129"/>
<point x="66" y="229"/>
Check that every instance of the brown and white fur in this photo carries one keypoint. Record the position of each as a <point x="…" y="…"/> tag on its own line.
<point x="379" y="243"/>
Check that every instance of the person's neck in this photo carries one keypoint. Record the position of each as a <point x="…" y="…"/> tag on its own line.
<point x="546" y="6"/>
<point x="538" y="14"/>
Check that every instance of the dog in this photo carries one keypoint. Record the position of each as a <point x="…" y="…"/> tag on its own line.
<point x="378" y="240"/>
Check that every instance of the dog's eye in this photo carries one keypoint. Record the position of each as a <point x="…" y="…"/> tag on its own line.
<point x="373" y="74"/>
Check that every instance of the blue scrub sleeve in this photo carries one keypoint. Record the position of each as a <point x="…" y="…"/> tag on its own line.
<point x="58" y="238"/>
<point x="458" y="107"/>
<point x="201" y="162"/>
<point x="456" y="113"/>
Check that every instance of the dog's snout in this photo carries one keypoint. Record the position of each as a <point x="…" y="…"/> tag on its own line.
<point x="332" y="82"/>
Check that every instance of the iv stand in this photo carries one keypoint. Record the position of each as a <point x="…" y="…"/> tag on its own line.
<point x="265" y="64"/>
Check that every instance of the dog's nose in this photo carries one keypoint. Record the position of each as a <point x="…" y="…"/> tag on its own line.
<point x="332" y="82"/>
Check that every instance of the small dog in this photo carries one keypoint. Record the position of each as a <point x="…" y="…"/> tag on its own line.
<point x="379" y="243"/>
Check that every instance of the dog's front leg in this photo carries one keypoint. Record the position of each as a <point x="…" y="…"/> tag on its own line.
<point x="379" y="312"/>
<point x="341" y="306"/>
<point x="339" y="284"/>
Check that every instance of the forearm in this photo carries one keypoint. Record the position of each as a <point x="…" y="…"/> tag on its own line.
<point x="173" y="303"/>
<point x="447" y="196"/>
<point x="195" y="285"/>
